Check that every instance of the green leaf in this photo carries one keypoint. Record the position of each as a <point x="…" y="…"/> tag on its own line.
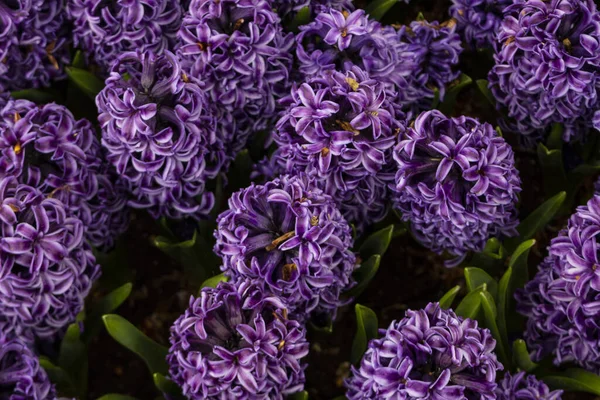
<point x="214" y="281"/>
<point x="377" y="243"/>
<point x="490" y="314"/>
<point x="298" y="396"/>
<point x="79" y="60"/>
<point x="555" y="138"/>
<point x="521" y="357"/>
<point x="518" y="263"/>
<point x="73" y="359"/>
<point x="59" y="377"/>
<point x="130" y="337"/>
<point x="554" y="176"/>
<point x="475" y="277"/>
<point x="575" y="379"/>
<point x="482" y="85"/>
<point x="115" y="267"/>
<point x="491" y="259"/>
<point x="455" y="87"/>
<point x="470" y="306"/>
<point x="364" y="274"/>
<point x="115" y="396"/>
<point x="85" y="80"/>
<point x="106" y="305"/>
<point x="301" y="18"/>
<point x="35" y="95"/>
<point x="377" y="8"/>
<point x="448" y="298"/>
<point x="366" y="329"/>
<point x="536" y="221"/>
<point x="503" y="302"/>
<point x="165" y="385"/>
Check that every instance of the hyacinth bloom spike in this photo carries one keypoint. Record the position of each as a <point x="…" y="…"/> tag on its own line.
<point x="34" y="43"/>
<point x="429" y="354"/>
<point x="478" y="21"/>
<point x="103" y="30"/>
<point x="160" y="136"/>
<point x="290" y="235"/>
<point x="340" y="129"/>
<point x="547" y="66"/>
<point x="47" y="267"/>
<point x="521" y="386"/>
<point x="561" y="301"/>
<point x="47" y="148"/>
<point x="456" y="183"/>
<point x="236" y="340"/>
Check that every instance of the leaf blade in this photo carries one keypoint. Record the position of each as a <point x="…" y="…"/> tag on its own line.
<point x="366" y="329"/>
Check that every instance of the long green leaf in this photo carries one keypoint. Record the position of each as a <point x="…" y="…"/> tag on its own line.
<point x="470" y="306"/>
<point x="115" y="396"/>
<point x="36" y="95"/>
<point x="575" y="379"/>
<point x="490" y="315"/>
<point x="73" y="358"/>
<point x="448" y="298"/>
<point x="503" y="302"/>
<point x="518" y="262"/>
<point x="482" y="85"/>
<point x="364" y="274"/>
<point x="214" y="281"/>
<point x="377" y="243"/>
<point x="59" y="377"/>
<point x="491" y="259"/>
<point x="366" y="329"/>
<point x="447" y="106"/>
<point x="130" y="337"/>
<point x="298" y="396"/>
<point x="377" y="8"/>
<point x="167" y="386"/>
<point x="86" y="81"/>
<point x="475" y="277"/>
<point x="108" y="304"/>
<point x="521" y="357"/>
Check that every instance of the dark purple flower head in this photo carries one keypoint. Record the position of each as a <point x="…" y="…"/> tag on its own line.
<point x="456" y="183"/>
<point x="33" y="43"/>
<point x="47" y="267"/>
<point x="340" y="128"/>
<point x="160" y="134"/>
<point x="45" y="147"/>
<point x="548" y="64"/>
<point x="290" y="235"/>
<point x="525" y="387"/>
<point x="289" y="8"/>
<point x="239" y="49"/>
<point x="429" y="354"/>
<point x="478" y="21"/>
<point x="561" y="302"/>
<point x="338" y="40"/>
<point x="235" y="341"/>
<point x="21" y="377"/>
<point x="105" y="29"/>
<point x="435" y="49"/>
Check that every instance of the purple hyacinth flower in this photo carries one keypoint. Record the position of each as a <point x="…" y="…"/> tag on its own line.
<point x="561" y="302"/>
<point x="429" y="354"/>
<point x="340" y="40"/>
<point x="478" y="21"/>
<point x="236" y="341"/>
<point x="340" y="128"/>
<point x="435" y="49"/>
<point x="160" y="135"/>
<point x="547" y="65"/>
<point x="105" y="29"/>
<point x="525" y="387"/>
<point x="34" y="43"/>
<point x="239" y="50"/>
<point x="48" y="149"/>
<point x="21" y="377"/>
<point x="290" y="235"/>
<point x="456" y="183"/>
<point x="47" y="267"/>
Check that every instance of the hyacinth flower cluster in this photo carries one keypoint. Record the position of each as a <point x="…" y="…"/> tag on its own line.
<point x="34" y="43"/>
<point x="239" y="50"/>
<point x="429" y="354"/>
<point x="48" y="149"/>
<point x="435" y="49"/>
<point x="159" y="132"/>
<point x="340" y="129"/>
<point x="521" y="386"/>
<point x="47" y="266"/>
<point x="290" y="235"/>
<point x="103" y="30"/>
<point x="478" y="21"/>
<point x="456" y="183"/>
<point x="561" y="302"/>
<point x="547" y="66"/>
<point x="21" y="377"/>
<point x="235" y="341"/>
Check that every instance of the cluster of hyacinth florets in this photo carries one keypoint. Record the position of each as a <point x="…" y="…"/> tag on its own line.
<point x="521" y="386"/>
<point x="561" y="302"/>
<point x="456" y="183"/>
<point x="429" y="354"/>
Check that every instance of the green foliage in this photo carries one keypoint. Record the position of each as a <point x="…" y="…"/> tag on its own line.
<point x="376" y="243"/>
<point x="521" y="358"/>
<point x="377" y="8"/>
<point x="490" y="321"/>
<point x="366" y="329"/>
<point x="476" y="277"/>
<point x="60" y="377"/>
<point x="447" y="299"/>
<point x="491" y="259"/>
<point x="85" y="80"/>
<point x="214" y="281"/>
<point x="130" y="337"/>
<point x="364" y="274"/>
<point x="35" y="95"/>
<point x="482" y="85"/>
<point x="167" y="386"/>
<point x="301" y="18"/>
<point x="106" y="305"/>
<point x="470" y="306"/>
<point x="298" y="396"/>
<point x="114" y="396"/>
<point x="447" y="106"/>
<point x="575" y="379"/>
<point x="73" y="359"/>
